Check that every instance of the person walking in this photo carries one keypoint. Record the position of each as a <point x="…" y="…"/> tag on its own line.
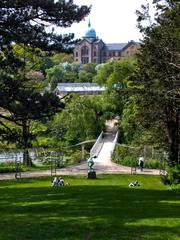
<point x="141" y="162"/>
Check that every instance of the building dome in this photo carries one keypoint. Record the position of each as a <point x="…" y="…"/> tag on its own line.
<point x="91" y="33"/>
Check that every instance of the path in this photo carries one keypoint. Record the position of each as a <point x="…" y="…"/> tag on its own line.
<point x="81" y="169"/>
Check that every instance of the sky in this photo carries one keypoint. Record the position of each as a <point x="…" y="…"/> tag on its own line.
<point x="113" y="20"/>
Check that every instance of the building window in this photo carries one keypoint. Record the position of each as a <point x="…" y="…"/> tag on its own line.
<point x="95" y="54"/>
<point x="84" y="51"/>
<point x="84" y="55"/>
<point x="76" y="54"/>
<point x="84" y="60"/>
<point x="110" y="54"/>
<point x="119" y="53"/>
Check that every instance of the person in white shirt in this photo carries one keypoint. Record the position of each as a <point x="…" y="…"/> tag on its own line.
<point x="54" y="182"/>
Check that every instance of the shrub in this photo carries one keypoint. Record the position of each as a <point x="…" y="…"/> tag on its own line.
<point x="153" y="163"/>
<point x="130" y="161"/>
<point x="128" y="156"/>
<point x="75" y="157"/>
<point x="173" y="174"/>
<point x="9" y="166"/>
<point x="175" y="188"/>
<point x="125" y="155"/>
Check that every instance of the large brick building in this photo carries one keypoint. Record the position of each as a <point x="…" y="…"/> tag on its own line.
<point x="91" y="49"/>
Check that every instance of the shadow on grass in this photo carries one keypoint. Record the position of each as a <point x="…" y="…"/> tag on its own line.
<point x="88" y="212"/>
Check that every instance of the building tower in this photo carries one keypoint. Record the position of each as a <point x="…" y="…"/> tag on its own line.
<point x="90" y="48"/>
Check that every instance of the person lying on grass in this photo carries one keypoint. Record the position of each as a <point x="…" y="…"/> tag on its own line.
<point x="134" y="184"/>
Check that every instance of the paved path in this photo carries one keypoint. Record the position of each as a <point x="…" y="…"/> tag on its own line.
<point x="81" y="169"/>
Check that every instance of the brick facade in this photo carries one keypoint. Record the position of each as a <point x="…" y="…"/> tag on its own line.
<point x="91" y="49"/>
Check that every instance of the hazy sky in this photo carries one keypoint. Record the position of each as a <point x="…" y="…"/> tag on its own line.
<point x="113" y="20"/>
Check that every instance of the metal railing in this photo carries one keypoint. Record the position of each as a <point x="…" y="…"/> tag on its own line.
<point x="95" y="150"/>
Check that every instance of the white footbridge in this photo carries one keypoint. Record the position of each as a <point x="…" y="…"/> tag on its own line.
<point x="104" y="146"/>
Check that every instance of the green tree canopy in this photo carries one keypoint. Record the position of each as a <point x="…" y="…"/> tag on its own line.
<point x="115" y="76"/>
<point x="81" y="120"/>
<point x="62" y="57"/>
<point x="157" y="80"/>
<point x="27" y="22"/>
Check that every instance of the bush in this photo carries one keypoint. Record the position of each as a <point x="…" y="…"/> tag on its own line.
<point x="175" y="188"/>
<point x="74" y="157"/>
<point x="129" y="161"/>
<point x="153" y="163"/>
<point x="125" y="155"/>
<point x="7" y="167"/>
<point x="128" y="156"/>
<point x="173" y="174"/>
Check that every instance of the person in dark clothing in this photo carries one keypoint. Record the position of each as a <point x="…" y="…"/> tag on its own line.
<point x="141" y="162"/>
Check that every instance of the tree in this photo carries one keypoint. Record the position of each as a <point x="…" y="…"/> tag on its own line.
<point x="62" y="57"/>
<point x="84" y="76"/>
<point x="87" y="72"/>
<point x="64" y="72"/>
<point x="55" y="75"/>
<point x="81" y="120"/>
<point x="115" y="75"/>
<point x="27" y="23"/>
<point x="22" y="100"/>
<point x="157" y="80"/>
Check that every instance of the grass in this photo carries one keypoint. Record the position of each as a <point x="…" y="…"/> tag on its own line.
<point x="101" y="209"/>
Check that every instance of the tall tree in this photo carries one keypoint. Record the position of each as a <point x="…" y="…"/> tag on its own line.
<point x="158" y="77"/>
<point x="81" y="120"/>
<point x="114" y="75"/>
<point x="28" y="23"/>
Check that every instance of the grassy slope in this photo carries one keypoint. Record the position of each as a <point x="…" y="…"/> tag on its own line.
<point x="102" y="209"/>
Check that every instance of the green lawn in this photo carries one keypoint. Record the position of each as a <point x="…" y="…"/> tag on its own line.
<point x="101" y="209"/>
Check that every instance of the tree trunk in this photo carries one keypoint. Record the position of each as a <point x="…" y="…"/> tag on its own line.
<point x="174" y="135"/>
<point x="26" y="158"/>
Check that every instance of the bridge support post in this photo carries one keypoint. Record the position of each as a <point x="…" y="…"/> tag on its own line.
<point x="82" y="152"/>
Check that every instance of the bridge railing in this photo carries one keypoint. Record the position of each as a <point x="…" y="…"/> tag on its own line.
<point x="115" y="140"/>
<point x="95" y="150"/>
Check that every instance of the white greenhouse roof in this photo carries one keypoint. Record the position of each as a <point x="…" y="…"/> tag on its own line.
<point x="79" y="87"/>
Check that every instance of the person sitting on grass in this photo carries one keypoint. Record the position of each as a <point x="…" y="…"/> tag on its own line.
<point x="61" y="181"/>
<point x="54" y="182"/>
<point x="134" y="184"/>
